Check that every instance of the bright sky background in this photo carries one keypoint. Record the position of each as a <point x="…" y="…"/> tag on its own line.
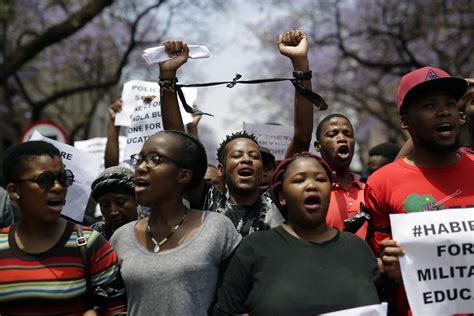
<point x="238" y="51"/>
<point x="234" y="48"/>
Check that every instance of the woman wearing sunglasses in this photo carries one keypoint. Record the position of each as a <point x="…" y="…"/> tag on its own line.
<point x="42" y="270"/>
<point x="171" y="260"/>
<point x="302" y="267"/>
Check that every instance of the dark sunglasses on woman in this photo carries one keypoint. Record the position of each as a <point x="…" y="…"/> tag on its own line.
<point x="46" y="179"/>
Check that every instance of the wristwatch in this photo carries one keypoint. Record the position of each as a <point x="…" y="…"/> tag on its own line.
<point x="302" y="75"/>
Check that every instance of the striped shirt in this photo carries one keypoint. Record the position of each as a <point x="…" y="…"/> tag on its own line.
<point x="53" y="282"/>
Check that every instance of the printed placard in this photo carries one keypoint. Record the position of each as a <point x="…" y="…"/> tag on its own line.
<point x="132" y="94"/>
<point x="85" y="167"/>
<point x="96" y="146"/>
<point x="369" y="310"/>
<point x="437" y="267"/>
<point x="146" y="121"/>
<point x="274" y="137"/>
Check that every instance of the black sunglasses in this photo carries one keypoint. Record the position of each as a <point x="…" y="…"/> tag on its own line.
<point x="46" y="179"/>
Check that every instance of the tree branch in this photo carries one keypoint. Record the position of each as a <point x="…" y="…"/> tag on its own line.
<point x="54" y="34"/>
<point x="40" y="105"/>
<point x="385" y="66"/>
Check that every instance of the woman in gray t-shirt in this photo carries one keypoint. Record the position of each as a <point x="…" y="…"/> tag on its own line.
<point x="170" y="260"/>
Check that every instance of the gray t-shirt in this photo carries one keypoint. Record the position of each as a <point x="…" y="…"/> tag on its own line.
<point x="178" y="281"/>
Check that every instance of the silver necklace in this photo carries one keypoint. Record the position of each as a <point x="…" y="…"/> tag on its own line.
<point x="156" y="249"/>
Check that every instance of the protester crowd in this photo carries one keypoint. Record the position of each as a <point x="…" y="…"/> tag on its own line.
<point x="251" y="235"/>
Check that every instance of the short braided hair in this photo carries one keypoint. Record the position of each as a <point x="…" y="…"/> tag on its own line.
<point x="221" y="152"/>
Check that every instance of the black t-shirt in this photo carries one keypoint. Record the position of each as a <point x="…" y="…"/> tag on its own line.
<point x="103" y="228"/>
<point x="274" y="273"/>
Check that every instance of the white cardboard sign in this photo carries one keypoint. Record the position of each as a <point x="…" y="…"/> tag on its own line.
<point x="369" y="310"/>
<point x="96" y="146"/>
<point x="146" y="121"/>
<point x="437" y="268"/>
<point x="134" y="90"/>
<point x="274" y="137"/>
<point x="85" y="167"/>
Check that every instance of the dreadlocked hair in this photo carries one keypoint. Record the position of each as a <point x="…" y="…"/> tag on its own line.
<point x="280" y="172"/>
<point x="221" y="152"/>
<point x="193" y="156"/>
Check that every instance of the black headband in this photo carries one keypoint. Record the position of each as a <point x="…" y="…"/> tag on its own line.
<point x="313" y="97"/>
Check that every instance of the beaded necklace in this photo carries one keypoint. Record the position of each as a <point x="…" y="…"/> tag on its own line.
<point x="156" y="249"/>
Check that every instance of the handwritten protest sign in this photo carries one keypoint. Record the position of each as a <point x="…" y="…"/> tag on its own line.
<point x="132" y="94"/>
<point x="85" y="167"/>
<point x="437" y="267"/>
<point x="370" y="310"/>
<point x="146" y="121"/>
<point x="96" y="146"/>
<point x="274" y="137"/>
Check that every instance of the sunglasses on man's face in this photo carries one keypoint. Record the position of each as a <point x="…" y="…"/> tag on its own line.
<point x="46" y="179"/>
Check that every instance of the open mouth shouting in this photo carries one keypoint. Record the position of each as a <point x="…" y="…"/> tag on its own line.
<point x="445" y="130"/>
<point x="245" y="172"/>
<point x="343" y="152"/>
<point x="312" y="203"/>
<point x="141" y="185"/>
<point x="56" y="204"/>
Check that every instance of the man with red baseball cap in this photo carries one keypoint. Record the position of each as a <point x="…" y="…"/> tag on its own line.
<point x="434" y="176"/>
<point x="430" y="78"/>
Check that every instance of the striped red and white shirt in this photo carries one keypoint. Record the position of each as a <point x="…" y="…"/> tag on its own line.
<point x="53" y="282"/>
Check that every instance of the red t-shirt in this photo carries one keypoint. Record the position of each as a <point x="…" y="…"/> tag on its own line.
<point x="345" y="204"/>
<point x="402" y="188"/>
<point x="466" y="150"/>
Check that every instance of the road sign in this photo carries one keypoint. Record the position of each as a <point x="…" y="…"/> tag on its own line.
<point x="46" y="128"/>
